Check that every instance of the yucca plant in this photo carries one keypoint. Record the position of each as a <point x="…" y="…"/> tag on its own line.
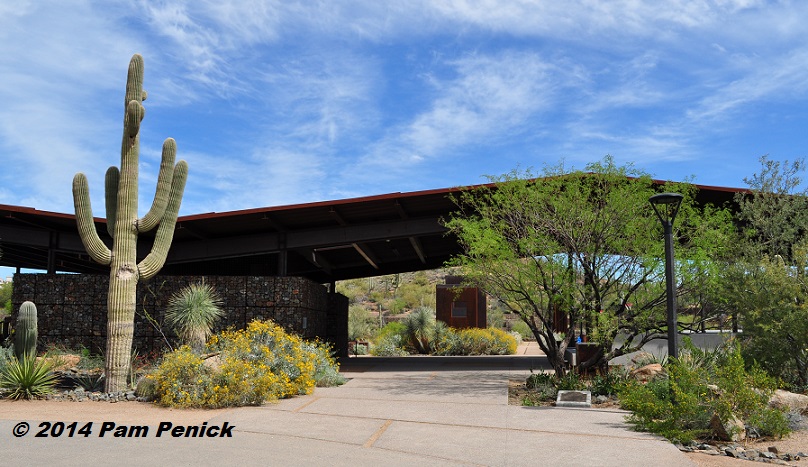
<point x="192" y="313"/>
<point x="28" y="378"/>
<point x="420" y="325"/>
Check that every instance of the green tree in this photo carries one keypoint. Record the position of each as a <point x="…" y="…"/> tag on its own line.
<point x="6" y="289"/>
<point x="583" y="244"/>
<point x="774" y="215"/>
<point x="768" y="285"/>
<point x="772" y="299"/>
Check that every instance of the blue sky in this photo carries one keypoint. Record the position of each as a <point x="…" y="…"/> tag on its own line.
<point x="275" y="103"/>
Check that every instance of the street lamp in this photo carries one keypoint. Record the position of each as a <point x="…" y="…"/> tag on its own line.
<point x="666" y="206"/>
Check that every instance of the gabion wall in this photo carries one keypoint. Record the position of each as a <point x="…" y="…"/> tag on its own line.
<point x="72" y="308"/>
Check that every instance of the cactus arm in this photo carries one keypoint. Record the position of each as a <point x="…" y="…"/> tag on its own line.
<point x="134" y="81"/>
<point x="84" y="218"/>
<point x="154" y="261"/>
<point x="164" y="180"/>
<point x="111" y="195"/>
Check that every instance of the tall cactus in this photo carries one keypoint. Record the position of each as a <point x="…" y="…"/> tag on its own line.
<point x="25" y="332"/>
<point x="124" y="226"/>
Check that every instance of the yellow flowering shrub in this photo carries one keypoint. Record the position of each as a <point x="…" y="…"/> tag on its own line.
<point x="476" y="341"/>
<point x="251" y="366"/>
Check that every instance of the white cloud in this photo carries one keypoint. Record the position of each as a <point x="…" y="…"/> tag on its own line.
<point x="490" y="98"/>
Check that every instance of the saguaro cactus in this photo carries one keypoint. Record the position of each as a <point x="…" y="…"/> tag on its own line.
<point x="124" y="226"/>
<point x="25" y="332"/>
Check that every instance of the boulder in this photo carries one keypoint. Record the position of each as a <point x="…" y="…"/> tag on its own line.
<point x="647" y="373"/>
<point x="732" y="429"/>
<point x="789" y="401"/>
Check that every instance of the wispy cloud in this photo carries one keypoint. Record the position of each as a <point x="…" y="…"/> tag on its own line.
<point x="278" y="102"/>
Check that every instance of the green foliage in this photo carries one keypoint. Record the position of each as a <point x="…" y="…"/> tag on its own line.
<point x="608" y="384"/>
<point x="420" y="327"/>
<point x="89" y="382"/>
<point x="475" y="341"/>
<point x="583" y="242"/>
<point x="192" y="313"/>
<point x="6" y="354"/>
<point x="775" y="215"/>
<point x="395" y="293"/>
<point x="545" y="386"/>
<point x="360" y="324"/>
<point x="767" y="287"/>
<point x="680" y="406"/>
<point x="495" y="317"/>
<point x="326" y="371"/>
<point x="25" y="332"/>
<point x="249" y="367"/>
<point x="524" y="331"/>
<point x="6" y="289"/>
<point x="388" y="345"/>
<point x="29" y="378"/>
<point x="772" y="300"/>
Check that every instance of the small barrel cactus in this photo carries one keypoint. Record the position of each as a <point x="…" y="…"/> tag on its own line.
<point x="25" y="331"/>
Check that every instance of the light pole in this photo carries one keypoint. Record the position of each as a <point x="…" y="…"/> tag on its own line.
<point x="666" y="206"/>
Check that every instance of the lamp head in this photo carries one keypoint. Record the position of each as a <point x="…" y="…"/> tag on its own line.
<point x="668" y="206"/>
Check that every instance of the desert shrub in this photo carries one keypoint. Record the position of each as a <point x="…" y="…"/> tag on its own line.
<point x="392" y="328"/>
<point x="522" y="328"/>
<point x="475" y="341"/>
<point x="28" y="378"/>
<point x="251" y="366"/>
<point x="326" y="369"/>
<point x="545" y="386"/>
<point x="680" y="406"/>
<point x="6" y="354"/>
<point x="671" y="407"/>
<point x="570" y="381"/>
<point x="388" y="345"/>
<point x="360" y="324"/>
<point x="609" y="383"/>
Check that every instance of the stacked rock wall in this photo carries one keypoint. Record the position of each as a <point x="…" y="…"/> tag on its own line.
<point x="72" y="308"/>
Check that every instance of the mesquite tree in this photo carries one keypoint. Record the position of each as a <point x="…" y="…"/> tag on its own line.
<point x="582" y="249"/>
<point x="124" y="226"/>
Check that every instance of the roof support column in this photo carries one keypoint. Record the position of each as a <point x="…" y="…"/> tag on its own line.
<point x="52" y="242"/>
<point x="283" y="256"/>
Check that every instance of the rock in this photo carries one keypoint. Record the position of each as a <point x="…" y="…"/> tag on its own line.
<point x="774" y="450"/>
<point x="213" y="362"/>
<point x="647" y="372"/>
<point x="732" y="429"/>
<point x="601" y="399"/>
<point x="789" y="401"/>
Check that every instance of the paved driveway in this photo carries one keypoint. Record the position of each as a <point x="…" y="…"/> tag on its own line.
<point x="392" y="411"/>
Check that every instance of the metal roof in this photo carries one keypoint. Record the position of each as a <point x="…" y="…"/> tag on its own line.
<point x="324" y="241"/>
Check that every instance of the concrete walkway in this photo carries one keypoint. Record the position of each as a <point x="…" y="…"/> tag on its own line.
<point x="392" y="411"/>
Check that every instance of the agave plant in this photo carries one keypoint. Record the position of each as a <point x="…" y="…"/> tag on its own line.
<point x="192" y="313"/>
<point x="28" y="378"/>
